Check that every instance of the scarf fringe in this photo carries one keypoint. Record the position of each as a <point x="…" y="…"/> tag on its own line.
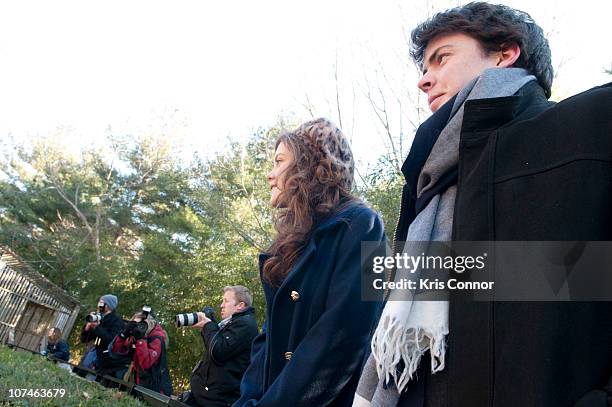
<point x="392" y="343"/>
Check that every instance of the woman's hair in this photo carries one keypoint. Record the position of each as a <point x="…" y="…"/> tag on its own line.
<point x="55" y="333"/>
<point x="316" y="183"/>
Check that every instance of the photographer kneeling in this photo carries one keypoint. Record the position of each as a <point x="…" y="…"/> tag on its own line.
<point x="215" y="381"/>
<point x="145" y="341"/>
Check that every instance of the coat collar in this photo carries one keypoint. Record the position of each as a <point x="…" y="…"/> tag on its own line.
<point x="248" y="310"/>
<point x="479" y="114"/>
<point x="493" y="113"/>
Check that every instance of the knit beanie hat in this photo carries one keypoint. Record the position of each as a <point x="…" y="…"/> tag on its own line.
<point x="110" y="301"/>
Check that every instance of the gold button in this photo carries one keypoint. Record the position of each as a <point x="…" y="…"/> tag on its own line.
<point x="288" y="355"/>
<point x="295" y="296"/>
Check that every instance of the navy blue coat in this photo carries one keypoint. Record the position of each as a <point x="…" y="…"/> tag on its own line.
<point x="312" y="345"/>
<point x="59" y="350"/>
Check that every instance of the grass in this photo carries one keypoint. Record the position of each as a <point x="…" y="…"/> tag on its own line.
<point x="20" y="370"/>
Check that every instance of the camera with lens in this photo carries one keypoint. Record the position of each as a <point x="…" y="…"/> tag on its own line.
<point x="93" y="317"/>
<point x="137" y="329"/>
<point x="191" y="318"/>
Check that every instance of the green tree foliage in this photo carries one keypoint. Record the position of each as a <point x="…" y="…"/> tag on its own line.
<point x="382" y="189"/>
<point x="137" y="219"/>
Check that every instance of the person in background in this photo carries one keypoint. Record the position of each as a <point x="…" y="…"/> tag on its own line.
<point x="56" y="346"/>
<point x="145" y="341"/>
<point x="102" y="332"/>
<point x="215" y="381"/>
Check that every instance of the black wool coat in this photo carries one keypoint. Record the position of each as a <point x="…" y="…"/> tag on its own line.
<point x="317" y="328"/>
<point x="529" y="170"/>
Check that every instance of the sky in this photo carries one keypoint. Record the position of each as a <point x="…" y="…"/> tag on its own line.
<point x="201" y="72"/>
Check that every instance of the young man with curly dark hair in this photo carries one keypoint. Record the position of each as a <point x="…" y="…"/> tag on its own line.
<point x="497" y="161"/>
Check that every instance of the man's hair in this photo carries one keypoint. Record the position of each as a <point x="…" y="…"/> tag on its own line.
<point x="492" y="25"/>
<point x="241" y="293"/>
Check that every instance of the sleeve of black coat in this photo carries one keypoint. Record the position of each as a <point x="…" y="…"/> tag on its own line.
<point x="87" y="336"/>
<point x="225" y="344"/>
<point x="332" y="350"/>
<point x="107" y="332"/>
<point x="251" y="385"/>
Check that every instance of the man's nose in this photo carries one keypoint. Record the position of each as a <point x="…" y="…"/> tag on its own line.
<point x="426" y="82"/>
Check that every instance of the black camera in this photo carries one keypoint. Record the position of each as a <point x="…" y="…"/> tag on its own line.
<point x="191" y="318"/>
<point x="136" y="329"/>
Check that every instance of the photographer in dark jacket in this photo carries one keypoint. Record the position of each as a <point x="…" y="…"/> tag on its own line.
<point x="215" y="381"/>
<point x="102" y="332"/>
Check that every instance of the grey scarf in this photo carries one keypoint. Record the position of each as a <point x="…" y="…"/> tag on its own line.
<point x="408" y="327"/>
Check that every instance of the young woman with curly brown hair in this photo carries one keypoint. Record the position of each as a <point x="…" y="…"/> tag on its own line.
<point x="317" y="327"/>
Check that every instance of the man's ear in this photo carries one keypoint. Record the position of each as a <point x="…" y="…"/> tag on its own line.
<point x="508" y="55"/>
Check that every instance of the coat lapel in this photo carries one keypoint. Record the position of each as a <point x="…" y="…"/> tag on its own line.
<point x="296" y="269"/>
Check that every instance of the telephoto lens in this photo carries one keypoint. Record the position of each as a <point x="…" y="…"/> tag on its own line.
<point x="93" y="317"/>
<point x="188" y="319"/>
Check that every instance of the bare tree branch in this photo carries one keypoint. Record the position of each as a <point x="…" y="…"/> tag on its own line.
<point x="383" y="118"/>
<point x="308" y="107"/>
<point x="60" y="190"/>
<point x="337" y="91"/>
